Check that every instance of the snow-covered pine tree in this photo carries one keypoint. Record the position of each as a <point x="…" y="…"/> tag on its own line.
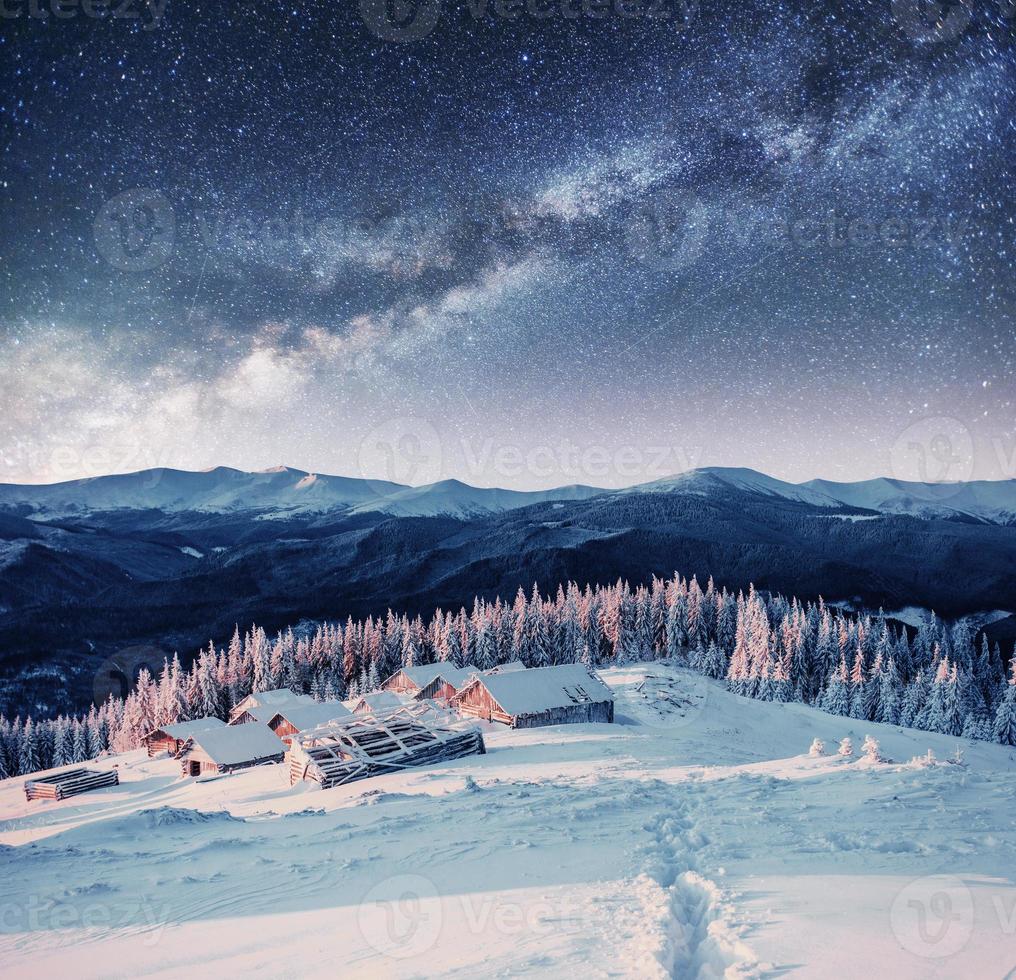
<point x="1004" y="728"/>
<point x="889" y="698"/>
<point x="28" y="761"/>
<point x="873" y="688"/>
<point x="837" y="695"/>
<point x="858" y="698"/>
<point x="934" y="717"/>
<point x="914" y="701"/>
<point x="63" y="752"/>
<point x="79" y="749"/>
<point x="486" y="648"/>
<point x="677" y="633"/>
<point x="715" y="662"/>
<point x="871" y="750"/>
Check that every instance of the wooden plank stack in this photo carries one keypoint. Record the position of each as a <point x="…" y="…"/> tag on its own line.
<point x="368" y="745"/>
<point x="69" y="783"/>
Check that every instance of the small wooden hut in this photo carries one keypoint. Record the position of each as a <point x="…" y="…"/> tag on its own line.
<point x="230" y="748"/>
<point x="435" y="682"/>
<point x="260" y="707"/>
<point x="369" y="745"/>
<point x="568" y="694"/>
<point x="297" y="717"/>
<point x="170" y="738"/>
<point x="70" y="782"/>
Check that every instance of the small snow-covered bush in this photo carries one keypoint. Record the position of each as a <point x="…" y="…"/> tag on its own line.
<point x="817" y="747"/>
<point x="846" y="748"/>
<point x="871" y="750"/>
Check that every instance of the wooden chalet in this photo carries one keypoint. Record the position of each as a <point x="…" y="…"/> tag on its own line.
<point x="568" y="694"/>
<point x="260" y="707"/>
<point x="298" y="716"/>
<point x="436" y="682"/>
<point x="368" y="745"/>
<point x="170" y="738"/>
<point x="230" y="748"/>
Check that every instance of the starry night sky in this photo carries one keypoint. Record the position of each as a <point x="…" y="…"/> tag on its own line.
<point x="517" y="252"/>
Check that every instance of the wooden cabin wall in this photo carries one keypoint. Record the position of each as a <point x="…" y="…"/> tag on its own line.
<point x="478" y="703"/>
<point x="400" y="684"/>
<point x="284" y="728"/>
<point x="572" y="714"/>
<point x="438" y="690"/>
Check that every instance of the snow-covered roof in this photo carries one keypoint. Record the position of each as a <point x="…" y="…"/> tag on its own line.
<point x="238" y="743"/>
<point x="184" y="729"/>
<point x="302" y="716"/>
<point x="522" y="692"/>
<point x="422" y="674"/>
<point x="506" y="668"/>
<point x="266" y="709"/>
<point x="457" y="676"/>
<point x="264" y="699"/>
<point x="378" y="701"/>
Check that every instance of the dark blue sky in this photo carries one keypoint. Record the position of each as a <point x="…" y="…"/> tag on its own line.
<point x="519" y="251"/>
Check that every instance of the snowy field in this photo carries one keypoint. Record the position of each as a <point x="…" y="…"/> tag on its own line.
<point x="695" y="837"/>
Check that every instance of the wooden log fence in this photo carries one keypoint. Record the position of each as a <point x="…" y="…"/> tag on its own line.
<point x="69" y="783"/>
<point x="368" y="745"/>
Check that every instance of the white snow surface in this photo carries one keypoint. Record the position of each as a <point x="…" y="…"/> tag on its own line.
<point x="696" y="837"/>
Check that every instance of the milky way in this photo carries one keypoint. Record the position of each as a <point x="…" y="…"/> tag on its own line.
<point x="522" y="246"/>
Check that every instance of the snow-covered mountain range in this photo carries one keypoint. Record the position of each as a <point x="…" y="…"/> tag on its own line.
<point x="287" y="491"/>
<point x="281" y="489"/>
<point x="985" y="500"/>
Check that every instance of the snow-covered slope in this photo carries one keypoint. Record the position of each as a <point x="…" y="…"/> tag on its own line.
<point x="219" y="489"/>
<point x="455" y="497"/>
<point x="693" y="838"/>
